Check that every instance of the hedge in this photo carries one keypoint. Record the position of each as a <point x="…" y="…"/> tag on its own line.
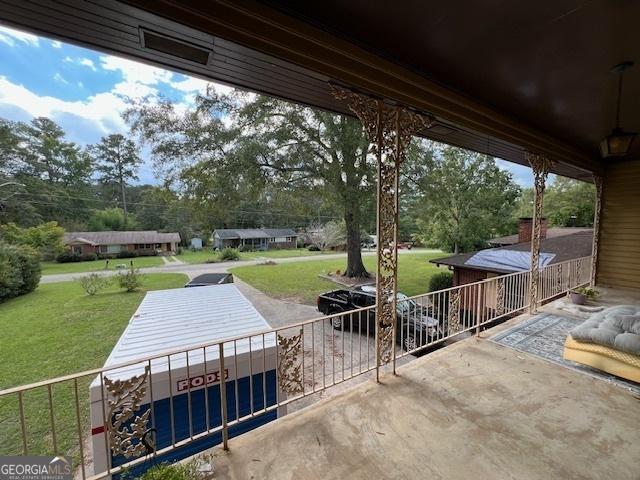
<point x="19" y="270"/>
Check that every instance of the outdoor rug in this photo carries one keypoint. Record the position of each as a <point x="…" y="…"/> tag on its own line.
<point x="544" y="336"/>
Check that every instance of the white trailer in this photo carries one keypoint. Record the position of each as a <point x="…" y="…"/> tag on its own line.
<point x="182" y="392"/>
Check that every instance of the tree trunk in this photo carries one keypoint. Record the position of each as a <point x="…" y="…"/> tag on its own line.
<point x="355" y="267"/>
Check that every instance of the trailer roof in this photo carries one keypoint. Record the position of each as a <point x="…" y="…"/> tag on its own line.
<point x="177" y="319"/>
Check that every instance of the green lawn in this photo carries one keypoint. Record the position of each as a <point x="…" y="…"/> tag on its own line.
<point x="98" y="265"/>
<point x="299" y="281"/>
<point x="204" y="255"/>
<point x="54" y="331"/>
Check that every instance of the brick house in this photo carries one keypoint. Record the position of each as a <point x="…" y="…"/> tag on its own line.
<point x="256" y="238"/>
<point x="149" y="242"/>
<point x="557" y="245"/>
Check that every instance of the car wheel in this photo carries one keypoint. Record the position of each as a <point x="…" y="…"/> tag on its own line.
<point x="410" y="343"/>
<point x="336" y="322"/>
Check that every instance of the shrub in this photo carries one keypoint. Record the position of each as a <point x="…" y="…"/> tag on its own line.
<point x="19" y="270"/>
<point x="440" y="281"/>
<point x="313" y="248"/>
<point x="246" y="248"/>
<point x="172" y="471"/>
<point x="93" y="283"/>
<point x="68" y="257"/>
<point x="127" y="254"/>
<point x="88" y="257"/>
<point x="229" y="254"/>
<point x="130" y="281"/>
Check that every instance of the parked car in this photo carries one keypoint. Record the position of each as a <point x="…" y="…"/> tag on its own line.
<point x="407" y="245"/>
<point x="416" y="325"/>
<point x="210" y="279"/>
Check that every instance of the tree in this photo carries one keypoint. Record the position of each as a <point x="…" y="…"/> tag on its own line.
<point x="110" y="219"/>
<point x="465" y="200"/>
<point x="262" y="143"/>
<point x="331" y="234"/>
<point x="45" y="239"/>
<point x="56" y="173"/>
<point x="567" y="203"/>
<point x="117" y="163"/>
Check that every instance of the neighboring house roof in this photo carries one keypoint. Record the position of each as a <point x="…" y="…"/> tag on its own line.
<point x="563" y="248"/>
<point x="120" y="238"/>
<point x="248" y="233"/>
<point x="551" y="233"/>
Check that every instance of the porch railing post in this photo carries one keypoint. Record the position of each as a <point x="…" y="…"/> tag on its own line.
<point x="541" y="166"/>
<point x="389" y="128"/>
<point x="598" y="181"/>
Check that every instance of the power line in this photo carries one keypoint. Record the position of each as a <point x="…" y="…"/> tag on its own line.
<point x="158" y="205"/>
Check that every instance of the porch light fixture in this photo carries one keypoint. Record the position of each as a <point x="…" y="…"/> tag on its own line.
<point x="618" y="142"/>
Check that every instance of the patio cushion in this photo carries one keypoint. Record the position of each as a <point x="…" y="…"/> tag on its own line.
<point x="616" y="327"/>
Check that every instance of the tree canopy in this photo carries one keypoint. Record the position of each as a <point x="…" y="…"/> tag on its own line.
<point x="464" y="199"/>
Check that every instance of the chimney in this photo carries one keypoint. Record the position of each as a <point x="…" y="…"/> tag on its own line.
<point x="525" y="229"/>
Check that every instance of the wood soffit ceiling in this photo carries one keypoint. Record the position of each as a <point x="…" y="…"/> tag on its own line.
<point x="544" y="66"/>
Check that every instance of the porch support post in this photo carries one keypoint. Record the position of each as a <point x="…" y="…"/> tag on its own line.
<point x="598" y="181"/>
<point x="541" y="166"/>
<point x="389" y="128"/>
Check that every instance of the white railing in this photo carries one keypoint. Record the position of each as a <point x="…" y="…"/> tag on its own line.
<point x="150" y="409"/>
<point x="475" y="305"/>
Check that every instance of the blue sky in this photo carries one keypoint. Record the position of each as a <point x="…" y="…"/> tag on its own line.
<point x="86" y="91"/>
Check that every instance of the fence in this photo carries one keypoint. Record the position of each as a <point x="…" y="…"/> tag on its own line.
<point x="156" y="406"/>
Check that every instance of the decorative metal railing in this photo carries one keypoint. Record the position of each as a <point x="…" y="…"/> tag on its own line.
<point x="475" y="305"/>
<point x="187" y="400"/>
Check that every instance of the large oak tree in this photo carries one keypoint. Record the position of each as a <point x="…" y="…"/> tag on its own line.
<point x="241" y="143"/>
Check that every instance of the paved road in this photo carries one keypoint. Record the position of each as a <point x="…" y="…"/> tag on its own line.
<point x="192" y="270"/>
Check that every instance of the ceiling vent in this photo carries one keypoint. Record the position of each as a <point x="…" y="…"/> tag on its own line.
<point x="174" y="47"/>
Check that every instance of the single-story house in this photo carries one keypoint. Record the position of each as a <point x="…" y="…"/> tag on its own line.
<point x="148" y="242"/>
<point x="258" y="239"/>
<point x="475" y="266"/>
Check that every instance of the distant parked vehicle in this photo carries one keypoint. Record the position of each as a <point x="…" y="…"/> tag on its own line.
<point x="407" y="245"/>
<point x="416" y="325"/>
<point x="210" y="279"/>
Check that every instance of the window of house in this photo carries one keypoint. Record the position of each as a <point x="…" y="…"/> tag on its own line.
<point x="272" y="239"/>
<point x="77" y="249"/>
<point x="103" y="248"/>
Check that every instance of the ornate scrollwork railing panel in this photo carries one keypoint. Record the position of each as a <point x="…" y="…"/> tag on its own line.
<point x="127" y="432"/>
<point x="290" y="364"/>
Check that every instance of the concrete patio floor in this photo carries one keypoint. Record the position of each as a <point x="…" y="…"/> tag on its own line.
<point x="475" y="409"/>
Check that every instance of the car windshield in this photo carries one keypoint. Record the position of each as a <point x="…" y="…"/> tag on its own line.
<point x="403" y="305"/>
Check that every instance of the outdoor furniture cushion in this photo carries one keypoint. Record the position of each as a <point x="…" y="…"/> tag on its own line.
<point x="615" y="327"/>
<point x="607" y="359"/>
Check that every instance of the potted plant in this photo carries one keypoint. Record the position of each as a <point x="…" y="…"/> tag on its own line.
<point x="582" y="295"/>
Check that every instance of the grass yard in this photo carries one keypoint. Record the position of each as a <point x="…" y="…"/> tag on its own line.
<point x="49" y="268"/>
<point x="203" y="255"/>
<point x="54" y="331"/>
<point x="299" y="281"/>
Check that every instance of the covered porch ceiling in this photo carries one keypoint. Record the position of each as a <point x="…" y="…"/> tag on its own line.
<point x="499" y="77"/>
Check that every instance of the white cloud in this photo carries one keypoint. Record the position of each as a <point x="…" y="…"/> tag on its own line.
<point x="56" y="44"/>
<point x="80" y="84"/>
<point x="59" y="78"/>
<point x="10" y="36"/>
<point x="102" y="109"/>
<point x="135" y="72"/>
<point x="87" y="63"/>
